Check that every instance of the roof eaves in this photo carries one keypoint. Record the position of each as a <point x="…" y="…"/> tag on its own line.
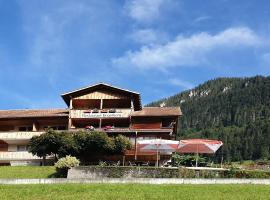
<point x="87" y="87"/>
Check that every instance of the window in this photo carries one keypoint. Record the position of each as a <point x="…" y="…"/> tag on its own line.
<point x="22" y="148"/>
<point x="26" y="128"/>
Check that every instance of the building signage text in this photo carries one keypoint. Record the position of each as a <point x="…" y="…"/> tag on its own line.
<point x="101" y="115"/>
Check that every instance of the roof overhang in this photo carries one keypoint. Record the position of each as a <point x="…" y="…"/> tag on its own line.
<point x="157" y="112"/>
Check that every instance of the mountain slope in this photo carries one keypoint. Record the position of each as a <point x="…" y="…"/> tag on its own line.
<point x="236" y="110"/>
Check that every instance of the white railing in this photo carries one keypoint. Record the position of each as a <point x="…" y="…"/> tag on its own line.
<point x="18" y="135"/>
<point x="119" y="113"/>
<point x="20" y="155"/>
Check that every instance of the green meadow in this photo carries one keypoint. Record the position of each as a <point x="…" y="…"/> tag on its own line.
<point x="27" y="172"/>
<point x="135" y="191"/>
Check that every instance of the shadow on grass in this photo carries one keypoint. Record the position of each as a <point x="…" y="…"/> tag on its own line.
<point x="60" y="173"/>
<point x="57" y="175"/>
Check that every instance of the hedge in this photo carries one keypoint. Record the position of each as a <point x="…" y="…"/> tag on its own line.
<point x="153" y="172"/>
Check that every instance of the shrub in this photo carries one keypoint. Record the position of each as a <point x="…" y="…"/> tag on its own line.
<point x="64" y="164"/>
<point x="121" y="144"/>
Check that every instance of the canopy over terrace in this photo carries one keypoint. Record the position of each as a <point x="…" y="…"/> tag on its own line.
<point x="158" y="146"/>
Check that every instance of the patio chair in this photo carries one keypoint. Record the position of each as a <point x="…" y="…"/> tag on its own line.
<point x="116" y="163"/>
<point x="131" y="163"/>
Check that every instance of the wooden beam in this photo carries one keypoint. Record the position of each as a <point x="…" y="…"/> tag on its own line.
<point x="35" y="126"/>
<point x="135" y="156"/>
<point x="69" y="123"/>
<point x="100" y="123"/>
<point x="70" y="104"/>
<point x="101" y="104"/>
<point x="69" y="117"/>
<point x="132" y="104"/>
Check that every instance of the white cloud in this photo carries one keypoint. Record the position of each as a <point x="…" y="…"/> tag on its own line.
<point x="148" y="36"/>
<point x="144" y="10"/>
<point x="201" y="19"/>
<point x="189" y="51"/>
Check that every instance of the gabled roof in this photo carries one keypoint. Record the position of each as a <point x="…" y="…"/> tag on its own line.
<point x="75" y="93"/>
<point x="157" y="111"/>
<point x="28" y="113"/>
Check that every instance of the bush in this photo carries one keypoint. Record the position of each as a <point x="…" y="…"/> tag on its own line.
<point x="64" y="164"/>
<point x="121" y="144"/>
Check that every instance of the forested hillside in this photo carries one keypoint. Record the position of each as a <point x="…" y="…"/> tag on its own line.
<point x="234" y="110"/>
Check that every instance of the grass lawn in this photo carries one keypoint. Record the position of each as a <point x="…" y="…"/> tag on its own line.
<point x="27" y="172"/>
<point x="135" y="191"/>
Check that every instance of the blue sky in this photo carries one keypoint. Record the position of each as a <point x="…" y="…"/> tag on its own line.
<point x="155" y="47"/>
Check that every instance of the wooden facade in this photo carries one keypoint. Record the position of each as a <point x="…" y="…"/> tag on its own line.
<point x="100" y="107"/>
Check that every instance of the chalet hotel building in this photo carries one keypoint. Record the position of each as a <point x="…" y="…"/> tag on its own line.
<point x="99" y="107"/>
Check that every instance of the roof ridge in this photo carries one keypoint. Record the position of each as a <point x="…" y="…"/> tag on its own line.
<point x="100" y="83"/>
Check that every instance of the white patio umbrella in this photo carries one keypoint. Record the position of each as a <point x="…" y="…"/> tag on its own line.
<point x="158" y="145"/>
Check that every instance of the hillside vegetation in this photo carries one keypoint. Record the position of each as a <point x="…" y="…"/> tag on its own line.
<point x="234" y="110"/>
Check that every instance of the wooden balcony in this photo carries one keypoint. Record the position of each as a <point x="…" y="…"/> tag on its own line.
<point x="18" y="135"/>
<point x="20" y="155"/>
<point x="105" y="113"/>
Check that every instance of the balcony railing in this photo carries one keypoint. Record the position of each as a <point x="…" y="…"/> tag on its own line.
<point x="20" y="155"/>
<point x="105" y="113"/>
<point x="18" y="135"/>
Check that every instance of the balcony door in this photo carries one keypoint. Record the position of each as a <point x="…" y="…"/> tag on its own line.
<point x="3" y="146"/>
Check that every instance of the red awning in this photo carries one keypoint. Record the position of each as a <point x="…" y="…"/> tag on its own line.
<point x="199" y="146"/>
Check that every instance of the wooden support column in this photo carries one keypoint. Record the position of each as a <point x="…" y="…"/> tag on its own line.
<point x="71" y="104"/>
<point x="101" y="104"/>
<point x="132" y="104"/>
<point x="136" y="145"/>
<point x="101" y="107"/>
<point x="175" y="128"/>
<point x="69" y="123"/>
<point x="35" y="126"/>
<point x="69" y="117"/>
<point x="100" y="123"/>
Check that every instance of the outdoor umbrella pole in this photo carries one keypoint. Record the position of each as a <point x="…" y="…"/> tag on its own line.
<point x="197" y="155"/>
<point x="157" y="146"/>
<point x="157" y="158"/>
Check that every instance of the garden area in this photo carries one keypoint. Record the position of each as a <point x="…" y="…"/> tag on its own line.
<point x="135" y="191"/>
<point x="70" y="150"/>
